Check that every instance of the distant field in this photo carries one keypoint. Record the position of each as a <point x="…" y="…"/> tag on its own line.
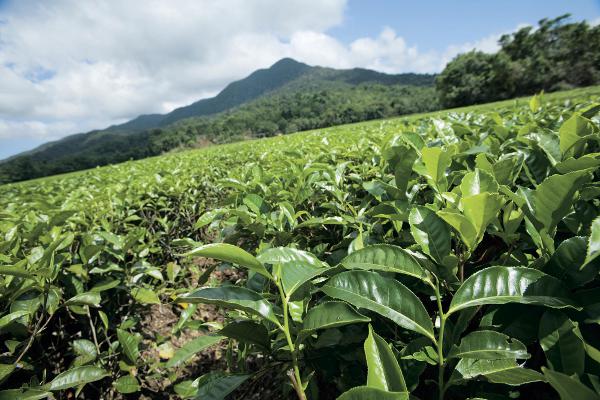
<point x="353" y="130"/>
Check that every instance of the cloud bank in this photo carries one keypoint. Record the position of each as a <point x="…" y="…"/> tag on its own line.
<point x="69" y="66"/>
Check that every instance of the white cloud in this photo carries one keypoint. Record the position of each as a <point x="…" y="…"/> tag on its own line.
<point x="595" y="22"/>
<point x="488" y="44"/>
<point x="34" y="129"/>
<point x="69" y="66"/>
<point x="390" y="53"/>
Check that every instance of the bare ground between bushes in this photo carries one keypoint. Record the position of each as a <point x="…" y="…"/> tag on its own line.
<point x="157" y="325"/>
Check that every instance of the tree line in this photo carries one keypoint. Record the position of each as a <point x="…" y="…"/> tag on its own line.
<point x="556" y="55"/>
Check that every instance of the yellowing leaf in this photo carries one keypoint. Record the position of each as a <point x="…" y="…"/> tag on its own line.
<point x="166" y="351"/>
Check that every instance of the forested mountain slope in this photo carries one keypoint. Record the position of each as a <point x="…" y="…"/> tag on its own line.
<point x="287" y="97"/>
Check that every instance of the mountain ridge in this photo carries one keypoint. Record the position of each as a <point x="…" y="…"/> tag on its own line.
<point x="287" y="77"/>
<point x="237" y="92"/>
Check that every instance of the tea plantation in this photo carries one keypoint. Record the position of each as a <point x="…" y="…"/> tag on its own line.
<point x="447" y="255"/>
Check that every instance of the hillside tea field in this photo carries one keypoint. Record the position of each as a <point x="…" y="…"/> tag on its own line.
<point x="444" y="256"/>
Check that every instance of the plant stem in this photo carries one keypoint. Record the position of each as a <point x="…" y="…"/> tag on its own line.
<point x="461" y="266"/>
<point x="93" y="329"/>
<point x="38" y="326"/>
<point x="295" y="377"/>
<point x="440" y="343"/>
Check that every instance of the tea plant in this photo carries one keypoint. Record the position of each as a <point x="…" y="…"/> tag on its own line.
<point x="485" y="200"/>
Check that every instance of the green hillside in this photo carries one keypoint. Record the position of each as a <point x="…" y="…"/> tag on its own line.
<point x="589" y="94"/>
<point x="287" y="97"/>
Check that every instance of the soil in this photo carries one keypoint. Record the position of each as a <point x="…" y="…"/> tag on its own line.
<point x="158" y="323"/>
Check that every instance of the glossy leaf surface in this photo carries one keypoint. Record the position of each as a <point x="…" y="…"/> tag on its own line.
<point x="232" y="254"/>
<point x="501" y="285"/>
<point x="232" y="297"/>
<point x="383" y="370"/>
<point x="384" y="296"/>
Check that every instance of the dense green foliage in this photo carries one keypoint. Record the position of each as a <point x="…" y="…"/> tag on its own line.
<point x="292" y="75"/>
<point x="448" y="255"/>
<point x="323" y="106"/>
<point x="287" y="97"/>
<point x="554" y="56"/>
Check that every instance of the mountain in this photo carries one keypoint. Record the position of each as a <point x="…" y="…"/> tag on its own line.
<point x="287" y="81"/>
<point x="266" y="80"/>
<point x="234" y="94"/>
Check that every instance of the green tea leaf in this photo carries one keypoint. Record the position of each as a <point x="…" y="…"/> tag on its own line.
<point x="401" y="160"/>
<point x="248" y="332"/>
<point x="388" y="258"/>
<point x="217" y="385"/>
<point x="127" y="384"/>
<point x="15" y="270"/>
<point x="294" y="267"/>
<point x="331" y="314"/>
<point x="569" y="388"/>
<point x="232" y="297"/>
<point x="481" y="209"/>
<point x="75" y="377"/>
<point x="284" y="255"/>
<point x="515" y="376"/>
<point x="92" y="299"/>
<point x="535" y="103"/>
<point x="562" y="343"/>
<point x="462" y="224"/>
<point x="478" y="182"/>
<point x="368" y="393"/>
<point x="593" y="248"/>
<point x="232" y="254"/>
<point x="430" y="232"/>
<point x="192" y="347"/>
<point x="24" y="394"/>
<point x="565" y="264"/>
<point x="85" y="350"/>
<point x="8" y="318"/>
<point x="384" y="296"/>
<point x="553" y="198"/>
<point x="501" y="285"/>
<point x="145" y="296"/>
<point x="207" y="218"/>
<point x="5" y="371"/>
<point x="383" y="370"/>
<point x="576" y="164"/>
<point x="130" y="344"/>
<point x="489" y="345"/>
<point x="436" y="161"/>
<point x="505" y="371"/>
<point x="105" y="285"/>
<point x="186" y="389"/>
<point x="573" y="133"/>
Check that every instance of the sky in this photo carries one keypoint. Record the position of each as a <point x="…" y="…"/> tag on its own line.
<point x="69" y="66"/>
